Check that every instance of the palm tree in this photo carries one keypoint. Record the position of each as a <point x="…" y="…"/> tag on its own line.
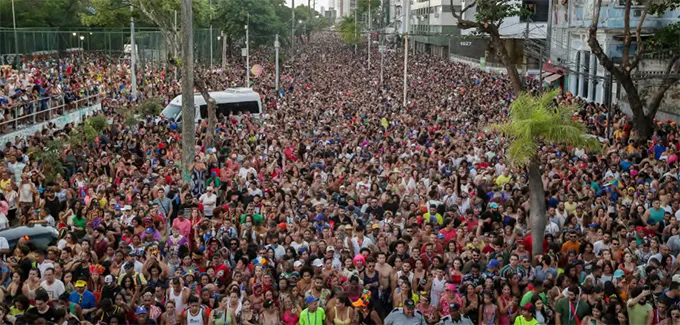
<point x="536" y="121"/>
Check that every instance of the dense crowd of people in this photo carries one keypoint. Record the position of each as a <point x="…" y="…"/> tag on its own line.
<point x="340" y="206"/>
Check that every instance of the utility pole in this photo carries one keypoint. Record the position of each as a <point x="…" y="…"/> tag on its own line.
<point x="292" y="31"/>
<point x="133" y="54"/>
<point x="356" y="42"/>
<point x="16" y="38"/>
<point x="369" y="34"/>
<point x="276" y="47"/>
<point x="381" y="49"/>
<point x="174" y="48"/>
<point x="407" y="22"/>
<point x="211" y="35"/>
<point x="247" y="54"/>
<point x="526" y="49"/>
<point x="188" y="110"/>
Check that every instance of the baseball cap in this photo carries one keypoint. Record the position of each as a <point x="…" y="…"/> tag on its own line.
<point x="317" y="263"/>
<point x="108" y="279"/>
<point x="409" y="303"/>
<point x="330" y="249"/>
<point x="492" y="263"/>
<point x="454" y="306"/>
<point x="81" y="283"/>
<point x="297" y="264"/>
<point x="618" y="274"/>
<point x="676" y="278"/>
<point x="311" y="299"/>
<point x="528" y="306"/>
<point x="493" y="205"/>
<point x="375" y="226"/>
<point x="140" y="310"/>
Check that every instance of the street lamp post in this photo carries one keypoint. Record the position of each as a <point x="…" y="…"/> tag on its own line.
<point x="219" y="38"/>
<point x="133" y="54"/>
<point x="369" y="34"/>
<point x="16" y="38"/>
<point x="381" y="49"/>
<point x="247" y="56"/>
<point x="82" y="38"/>
<point x="276" y="48"/>
<point x="211" y="35"/>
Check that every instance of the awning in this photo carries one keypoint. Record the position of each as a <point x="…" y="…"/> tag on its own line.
<point x="551" y="78"/>
<point x="545" y="74"/>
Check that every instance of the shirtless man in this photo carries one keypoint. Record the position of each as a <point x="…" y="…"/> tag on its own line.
<point x="385" y="271"/>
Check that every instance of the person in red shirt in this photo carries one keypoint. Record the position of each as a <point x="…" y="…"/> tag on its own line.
<point x="448" y="231"/>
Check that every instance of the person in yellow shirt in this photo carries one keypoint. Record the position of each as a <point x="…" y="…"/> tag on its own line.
<point x="570" y="205"/>
<point x="433" y="216"/>
<point x="503" y="178"/>
<point x="526" y="316"/>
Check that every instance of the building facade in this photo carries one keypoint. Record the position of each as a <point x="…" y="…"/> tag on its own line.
<point x="586" y="77"/>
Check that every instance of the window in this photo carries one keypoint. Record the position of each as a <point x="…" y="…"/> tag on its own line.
<point x="203" y="111"/>
<point x="235" y="108"/>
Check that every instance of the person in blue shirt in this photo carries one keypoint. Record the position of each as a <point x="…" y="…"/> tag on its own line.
<point x="84" y="298"/>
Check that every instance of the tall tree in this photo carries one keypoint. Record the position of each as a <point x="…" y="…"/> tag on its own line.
<point x="232" y="15"/>
<point x="350" y="31"/>
<point x="535" y="122"/>
<point x="489" y="16"/>
<point x="188" y="127"/>
<point x="644" y="109"/>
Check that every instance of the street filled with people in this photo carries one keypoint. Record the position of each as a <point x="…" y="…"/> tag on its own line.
<point x="337" y="205"/>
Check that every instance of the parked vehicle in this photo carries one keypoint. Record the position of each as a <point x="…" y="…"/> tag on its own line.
<point x="40" y="236"/>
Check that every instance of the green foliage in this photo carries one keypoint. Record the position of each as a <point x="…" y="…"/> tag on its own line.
<point x="45" y="13"/>
<point x="665" y="38"/>
<point x="495" y="11"/>
<point x="350" y="33"/>
<point x="50" y="159"/>
<point x="116" y="13"/>
<point x="535" y="121"/>
<point x="260" y="15"/>
<point x="151" y="107"/>
<point x="661" y="6"/>
<point x="363" y="5"/>
<point x="98" y="122"/>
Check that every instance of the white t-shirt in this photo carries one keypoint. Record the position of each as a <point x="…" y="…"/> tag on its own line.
<point x="4" y="244"/>
<point x="44" y="266"/>
<point x="365" y="244"/>
<point x="54" y="290"/>
<point x="208" y="201"/>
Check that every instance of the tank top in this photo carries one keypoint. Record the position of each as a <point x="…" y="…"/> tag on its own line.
<point x="289" y="318"/>
<point x="337" y="320"/>
<point x="179" y="304"/>
<point x="655" y="215"/>
<point x="195" y="320"/>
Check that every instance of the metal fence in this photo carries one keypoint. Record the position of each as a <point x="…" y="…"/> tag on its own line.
<point x="24" y="114"/>
<point x="151" y="44"/>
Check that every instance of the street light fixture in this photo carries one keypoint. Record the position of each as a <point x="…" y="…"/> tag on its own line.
<point x="74" y="34"/>
<point x="82" y="37"/>
<point x="219" y="38"/>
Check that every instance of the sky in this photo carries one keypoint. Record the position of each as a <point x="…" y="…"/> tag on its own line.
<point x="319" y="3"/>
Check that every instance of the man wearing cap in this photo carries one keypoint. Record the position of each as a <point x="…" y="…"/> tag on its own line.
<point x="312" y="315"/>
<point x="143" y="316"/>
<point x="84" y="298"/>
<point x="455" y="317"/>
<point x="407" y="315"/>
<point x="317" y="289"/>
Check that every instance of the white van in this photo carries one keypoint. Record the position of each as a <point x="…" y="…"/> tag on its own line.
<point x="234" y="101"/>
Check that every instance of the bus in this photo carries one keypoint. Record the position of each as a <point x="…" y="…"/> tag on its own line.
<point x="234" y="101"/>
